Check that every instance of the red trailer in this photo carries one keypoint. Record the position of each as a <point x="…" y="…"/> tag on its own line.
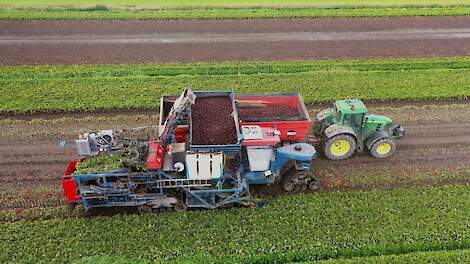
<point x="284" y="112"/>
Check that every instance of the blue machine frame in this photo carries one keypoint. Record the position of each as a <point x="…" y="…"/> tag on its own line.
<point x="106" y="192"/>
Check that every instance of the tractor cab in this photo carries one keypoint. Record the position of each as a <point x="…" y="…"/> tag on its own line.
<point x="350" y="112"/>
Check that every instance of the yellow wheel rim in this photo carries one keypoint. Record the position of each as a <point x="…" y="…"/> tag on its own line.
<point x="340" y="147"/>
<point x="384" y="148"/>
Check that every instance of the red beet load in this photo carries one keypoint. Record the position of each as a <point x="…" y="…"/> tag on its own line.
<point x="212" y="121"/>
<point x="248" y="112"/>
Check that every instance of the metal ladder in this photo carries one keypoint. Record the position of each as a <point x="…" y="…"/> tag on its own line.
<point x="176" y="183"/>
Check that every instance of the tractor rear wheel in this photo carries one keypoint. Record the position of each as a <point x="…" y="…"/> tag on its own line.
<point x="340" y="147"/>
<point x="383" y="148"/>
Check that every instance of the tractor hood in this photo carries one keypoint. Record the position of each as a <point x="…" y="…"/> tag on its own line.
<point x="385" y="123"/>
<point x="324" y="119"/>
<point x="326" y="115"/>
<point x="378" y="119"/>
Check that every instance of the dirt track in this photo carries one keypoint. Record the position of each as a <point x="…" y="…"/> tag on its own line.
<point x="70" y="42"/>
<point x="435" y="151"/>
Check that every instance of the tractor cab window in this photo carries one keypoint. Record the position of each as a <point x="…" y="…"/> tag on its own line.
<point x="357" y="120"/>
<point x="346" y="119"/>
<point x="354" y="120"/>
<point x="337" y="114"/>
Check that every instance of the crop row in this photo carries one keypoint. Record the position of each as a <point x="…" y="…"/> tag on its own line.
<point x="307" y="227"/>
<point x="103" y="13"/>
<point x="451" y="256"/>
<point x="106" y="87"/>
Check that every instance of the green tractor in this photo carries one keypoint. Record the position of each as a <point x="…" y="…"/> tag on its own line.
<point x="347" y="127"/>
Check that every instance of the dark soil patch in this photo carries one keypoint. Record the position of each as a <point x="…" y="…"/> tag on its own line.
<point x="268" y="112"/>
<point x="212" y="121"/>
<point x="104" y="48"/>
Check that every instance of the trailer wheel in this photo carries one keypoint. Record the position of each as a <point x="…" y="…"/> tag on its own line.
<point x="383" y="148"/>
<point x="339" y="147"/>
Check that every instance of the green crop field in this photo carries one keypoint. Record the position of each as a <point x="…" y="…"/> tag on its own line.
<point x="25" y="89"/>
<point x="190" y="9"/>
<point x="307" y="227"/>
<point x="451" y="256"/>
<point x="97" y="13"/>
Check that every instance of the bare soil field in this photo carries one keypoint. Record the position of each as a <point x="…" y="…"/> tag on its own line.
<point x="91" y="42"/>
<point x="434" y="152"/>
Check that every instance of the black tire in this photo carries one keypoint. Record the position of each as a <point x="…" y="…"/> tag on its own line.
<point x="180" y="207"/>
<point x="299" y="181"/>
<point x="334" y="141"/>
<point x="144" y="209"/>
<point x="314" y="184"/>
<point x="385" y="144"/>
<point x="71" y="207"/>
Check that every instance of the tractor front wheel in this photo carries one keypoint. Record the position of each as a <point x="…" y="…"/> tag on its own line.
<point x="340" y="147"/>
<point x="383" y="148"/>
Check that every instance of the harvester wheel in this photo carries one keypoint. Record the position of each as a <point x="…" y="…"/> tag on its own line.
<point x="339" y="147"/>
<point x="180" y="207"/>
<point x="296" y="181"/>
<point x="383" y="148"/>
<point x="71" y="207"/>
<point x="144" y="209"/>
<point x="314" y="185"/>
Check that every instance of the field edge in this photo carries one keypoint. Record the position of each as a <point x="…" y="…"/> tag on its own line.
<point x="101" y="12"/>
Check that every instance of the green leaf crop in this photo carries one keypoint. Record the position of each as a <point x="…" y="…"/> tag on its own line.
<point x="100" y="12"/>
<point x="25" y="89"/>
<point x="307" y="227"/>
<point x="99" y="163"/>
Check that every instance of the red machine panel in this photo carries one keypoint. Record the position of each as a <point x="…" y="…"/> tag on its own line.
<point x="155" y="156"/>
<point x="68" y="184"/>
<point x="180" y="133"/>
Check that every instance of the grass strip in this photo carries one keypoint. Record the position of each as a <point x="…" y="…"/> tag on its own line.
<point x="26" y="89"/>
<point x="306" y="227"/>
<point x="103" y="13"/>
<point x="451" y="256"/>
<point x="443" y="256"/>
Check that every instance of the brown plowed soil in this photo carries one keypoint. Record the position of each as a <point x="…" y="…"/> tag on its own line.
<point x="70" y="42"/>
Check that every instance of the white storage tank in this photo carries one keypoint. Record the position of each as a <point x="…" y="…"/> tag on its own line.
<point x="259" y="157"/>
<point x="259" y="143"/>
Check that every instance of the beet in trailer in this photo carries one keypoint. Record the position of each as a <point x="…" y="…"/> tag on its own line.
<point x="185" y="169"/>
